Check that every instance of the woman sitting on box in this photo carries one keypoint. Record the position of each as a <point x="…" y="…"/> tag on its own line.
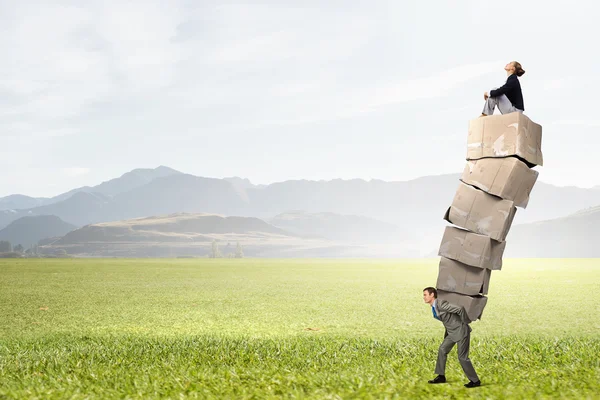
<point x="508" y="98"/>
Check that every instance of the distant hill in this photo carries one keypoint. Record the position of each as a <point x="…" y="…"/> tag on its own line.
<point x="124" y="183"/>
<point x="18" y="201"/>
<point x="549" y="202"/>
<point x="170" y="228"/>
<point x="133" y="179"/>
<point x="129" y="180"/>
<point x="349" y="228"/>
<point x="30" y="230"/>
<point x="79" y="209"/>
<point x="575" y="235"/>
<point x="176" y="235"/>
<point x="243" y="183"/>
<point x="176" y="194"/>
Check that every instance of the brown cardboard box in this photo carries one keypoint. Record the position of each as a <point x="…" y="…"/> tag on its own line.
<point x="481" y="213"/>
<point x="505" y="135"/>
<point x="461" y="278"/>
<point x="472" y="249"/>
<point x="508" y="178"/>
<point x="474" y="305"/>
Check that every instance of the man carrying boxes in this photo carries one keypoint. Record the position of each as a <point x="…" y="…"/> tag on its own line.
<point x="458" y="331"/>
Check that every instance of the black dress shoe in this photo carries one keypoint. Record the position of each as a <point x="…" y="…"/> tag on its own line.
<point x="438" y="379"/>
<point x="472" y="384"/>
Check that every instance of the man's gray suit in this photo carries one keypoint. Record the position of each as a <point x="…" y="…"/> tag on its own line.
<point x="456" y="322"/>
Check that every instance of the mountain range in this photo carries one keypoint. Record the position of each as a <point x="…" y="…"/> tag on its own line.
<point x="126" y="182"/>
<point x="352" y="211"/>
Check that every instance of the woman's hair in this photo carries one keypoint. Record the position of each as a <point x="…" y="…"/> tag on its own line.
<point x="518" y="69"/>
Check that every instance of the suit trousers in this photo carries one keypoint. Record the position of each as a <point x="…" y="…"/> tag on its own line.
<point x="463" y="357"/>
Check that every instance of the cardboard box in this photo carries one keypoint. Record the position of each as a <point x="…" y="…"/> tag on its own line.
<point x="508" y="178"/>
<point x="457" y="277"/>
<point x="472" y="249"/>
<point x="481" y="213"/>
<point x="512" y="134"/>
<point x="474" y="305"/>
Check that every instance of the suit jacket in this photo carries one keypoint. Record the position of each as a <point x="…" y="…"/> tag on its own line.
<point x="455" y="320"/>
<point x="512" y="90"/>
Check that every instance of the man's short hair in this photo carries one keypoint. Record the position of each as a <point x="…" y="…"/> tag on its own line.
<point x="431" y="290"/>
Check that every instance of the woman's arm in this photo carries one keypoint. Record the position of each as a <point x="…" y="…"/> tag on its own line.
<point x="510" y="84"/>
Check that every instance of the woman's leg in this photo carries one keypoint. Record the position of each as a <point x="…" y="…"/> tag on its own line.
<point x="502" y="102"/>
<point x="504" y="105"/>
<point x="490" y="105"/>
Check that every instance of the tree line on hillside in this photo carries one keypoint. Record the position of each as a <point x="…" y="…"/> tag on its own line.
<point x="6" y="247"/>
<point x="215" y="252"/>
<point x="8" y="251"/>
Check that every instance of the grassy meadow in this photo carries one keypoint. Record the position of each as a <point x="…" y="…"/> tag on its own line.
<point x="263" y="328"/>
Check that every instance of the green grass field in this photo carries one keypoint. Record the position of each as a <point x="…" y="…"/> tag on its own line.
<point x="254" y="328"/>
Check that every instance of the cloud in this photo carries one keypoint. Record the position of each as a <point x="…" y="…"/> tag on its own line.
<point x="429" y="87"/>
<point x="151" y="80"/>
<point x="62" y="59"/>
<point x="577" y="122"/>
<point x="257" y="57"/>
<point x="351" y="102"/>
<point x="75" y="171"/>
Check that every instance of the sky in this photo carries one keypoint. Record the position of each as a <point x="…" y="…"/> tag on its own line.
<point x="280" y="90"/>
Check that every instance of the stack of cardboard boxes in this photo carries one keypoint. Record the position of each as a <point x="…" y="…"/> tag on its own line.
<point x="498" y="178"/>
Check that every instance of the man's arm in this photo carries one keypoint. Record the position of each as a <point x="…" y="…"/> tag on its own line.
<point x="452" y="308"/>
<point x="511" y="82"/>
